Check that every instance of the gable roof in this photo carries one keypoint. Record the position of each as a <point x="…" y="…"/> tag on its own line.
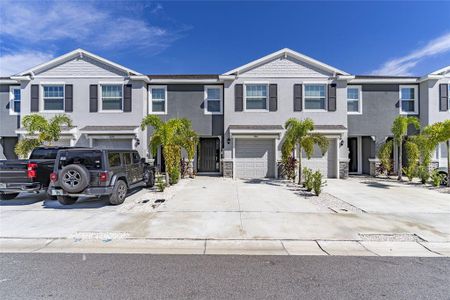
<point x="286" y="52"/>
<point x="442" y="71"/>
<point x="78" y="53"/>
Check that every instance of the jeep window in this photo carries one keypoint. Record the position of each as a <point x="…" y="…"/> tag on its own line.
<point x="127" y="158"/>
<point x="92" y="160"/>
<point x="43" y="153"/>
<point x="114" y="159"/>
<point x="136" y="158"/>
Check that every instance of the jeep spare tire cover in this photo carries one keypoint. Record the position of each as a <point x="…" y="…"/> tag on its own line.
<point x="74" y="178"/>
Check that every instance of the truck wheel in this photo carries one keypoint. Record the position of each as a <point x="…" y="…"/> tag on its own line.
<point x="119" y="193"/>
<point x="10" y="196"/>
<point x="74" y="178"/>
<point x="444" y="178"/>
<point x="66" y="200"/>
<point x="149" y="178"/>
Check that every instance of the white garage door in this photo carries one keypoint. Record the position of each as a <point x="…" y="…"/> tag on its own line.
<point x="255" y="158"/>
<point x="112" y="144"/>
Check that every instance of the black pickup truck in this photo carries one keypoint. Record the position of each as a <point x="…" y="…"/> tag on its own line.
<point x="27" y="175"/>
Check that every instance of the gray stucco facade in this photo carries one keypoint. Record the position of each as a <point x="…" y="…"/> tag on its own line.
<point x="9" y="122"/>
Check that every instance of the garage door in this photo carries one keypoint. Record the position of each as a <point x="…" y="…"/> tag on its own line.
<point x="255" y="158"/>
<point x="113" y="143"/>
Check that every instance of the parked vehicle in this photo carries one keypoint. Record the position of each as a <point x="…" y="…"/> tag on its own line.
<point x="98" y="173"/>
<point x="27" y="175"/>
<point x="443" y="171"/>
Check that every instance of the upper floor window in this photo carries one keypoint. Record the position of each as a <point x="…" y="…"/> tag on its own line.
<point x="111" y="96"/>
<point x="448" y="94"/>
<point x="354" y="101"/>
<point x="256" y="97"/>
<point x="315" y="95"/>
<point x="53" y="97"/>
<point x="408" y="99"/>
<point x="213" y="99"/>
<point x="14" y="100"/>
<point x="158" y="99"/>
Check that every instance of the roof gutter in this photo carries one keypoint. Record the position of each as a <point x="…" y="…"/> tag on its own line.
<point x="384" y="80"/>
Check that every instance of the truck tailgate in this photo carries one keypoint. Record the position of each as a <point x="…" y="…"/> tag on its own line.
<point x="13" y="171"/>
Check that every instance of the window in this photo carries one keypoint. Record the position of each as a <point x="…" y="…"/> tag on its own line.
<point x="127" y="158"/>
<point x="111" y="97"/>
<point x="114" y="159"/>
<point x="213" y="99"/>
<point x="14" y="100"/>
<point x="256" y="96"/>
<point x="136" y="158"/>
<point x="315" y="96"/>
<point x="354" y="101"/>
<point x="408" y="100"/>
<point x="91" y="160"/>
<point x="53" y="97"/>
<point x="158" y="99"/>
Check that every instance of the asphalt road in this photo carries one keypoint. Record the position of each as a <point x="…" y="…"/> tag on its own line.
<point x="134" y="276"/>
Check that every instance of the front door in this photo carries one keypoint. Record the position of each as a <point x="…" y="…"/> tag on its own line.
<point x="353" y="154"/>
<point x="209" y="155"/>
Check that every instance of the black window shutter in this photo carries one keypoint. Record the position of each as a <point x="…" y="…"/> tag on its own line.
<point x="332" y="97"/>
<point x="443" y="97"/>
<point x="34" y="98"/>
<point x="273" y="97"/>
<point x="127" y="101"/>
<point x="238" y="97"/>
<point x="93" y="98"/>
<point x="68" y="98"/>
<point x="298" y="95"/>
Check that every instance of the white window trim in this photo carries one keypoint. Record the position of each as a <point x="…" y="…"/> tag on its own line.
<point x="304" y="96"/>
<point x="245" y="96"/>
<point x="359" y="112"/>
<point x="41" y="97"/>
<point x="11" y="99"/>
<point x="416" y="100"/>
<point x="220" y="112"/>
<point x="150" y="102"/>
<point x="100" y="98"/>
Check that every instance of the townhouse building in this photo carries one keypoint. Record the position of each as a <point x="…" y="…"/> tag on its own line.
<point x="239" y="115"/>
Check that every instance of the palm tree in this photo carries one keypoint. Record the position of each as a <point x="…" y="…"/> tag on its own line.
<point x="169" y="135"/>
<point x="189" y="141"/>
<point x="400" y="130"/>
<point x="298" y="134"/>
<point x="40" y="131"/>
<point x="440" y="132"/>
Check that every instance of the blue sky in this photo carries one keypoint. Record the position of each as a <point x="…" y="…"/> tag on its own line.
<point x="391" y="38"/>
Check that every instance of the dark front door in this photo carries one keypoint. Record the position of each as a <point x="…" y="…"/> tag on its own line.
<point x="208" y="155"/>
<point x="353" y="154"/>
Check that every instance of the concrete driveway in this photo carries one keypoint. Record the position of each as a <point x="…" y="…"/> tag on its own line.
<point x="220" y="208"/>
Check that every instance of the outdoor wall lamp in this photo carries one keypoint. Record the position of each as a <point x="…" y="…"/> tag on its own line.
<point x="228" y="141"/>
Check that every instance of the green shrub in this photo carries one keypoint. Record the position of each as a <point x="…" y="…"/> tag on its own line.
<point x="410" y="172"/>
<point x="174" y="176"/>
<point x="423" y="174"/>
<point x="160" y="184"/>
<point x="308" y="180"/>
<point x="317" y="182"/>
<point x="436" y="178"/>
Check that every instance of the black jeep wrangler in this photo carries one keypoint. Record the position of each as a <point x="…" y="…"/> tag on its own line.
<point x="98" y="173"/>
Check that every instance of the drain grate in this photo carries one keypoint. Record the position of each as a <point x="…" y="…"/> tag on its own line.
<point x="160" y="200"/>
<point x="387" y="237"/>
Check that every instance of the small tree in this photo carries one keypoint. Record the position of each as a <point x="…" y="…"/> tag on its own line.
<point x="298" y="134"/>
<point x="426" y="144"/>
<point x="40" y="131"/>
<point x="169" y="135"/>
<point x="399" y="130"/>
<point x="189" y="141"/>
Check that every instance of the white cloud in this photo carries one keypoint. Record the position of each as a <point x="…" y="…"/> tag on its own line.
<point x="403" y="65"/>
<point x="11" y="64"/>
<point x="88" y="24"/>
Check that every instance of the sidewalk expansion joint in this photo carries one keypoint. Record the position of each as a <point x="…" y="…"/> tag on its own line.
<point x="321" y="248"/>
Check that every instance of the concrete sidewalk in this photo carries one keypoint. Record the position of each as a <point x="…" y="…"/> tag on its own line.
<point x="225" y="247"/>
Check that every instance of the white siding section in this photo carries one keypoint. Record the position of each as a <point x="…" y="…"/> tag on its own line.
<point x="284" y="67"/>
<point x="82" y="67"/>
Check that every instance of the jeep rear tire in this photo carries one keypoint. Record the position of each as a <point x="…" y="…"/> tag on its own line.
<point x="119" y="193"/>
<point x="74" y="178"/>
<point x="9" y="196"/>
<point x="66" y="200"/>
